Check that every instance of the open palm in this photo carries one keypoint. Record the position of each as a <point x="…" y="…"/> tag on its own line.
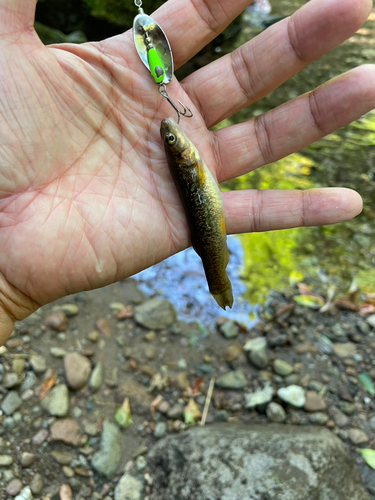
<point x="85" y="194"/>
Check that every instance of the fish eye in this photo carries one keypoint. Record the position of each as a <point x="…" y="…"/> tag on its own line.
<point x="170" y="139"/>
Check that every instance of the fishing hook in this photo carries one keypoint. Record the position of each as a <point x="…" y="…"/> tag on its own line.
<point x="163" y="92"/>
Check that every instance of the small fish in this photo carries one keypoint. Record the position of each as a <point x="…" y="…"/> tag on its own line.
<point x="201" y="199"/>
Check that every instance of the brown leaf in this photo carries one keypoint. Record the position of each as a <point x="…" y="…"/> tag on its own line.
<point x="283" y="309"/>
<point x="133" y="364"/>
<point x="156" y="402"/>
<point x="65" y="492"/>
<point x="103" y="326"/>
<point x="196" y="385"/>
<point x="47" y="385"/>
<point x="345" y="305"/>
<point x="127" y="312"/>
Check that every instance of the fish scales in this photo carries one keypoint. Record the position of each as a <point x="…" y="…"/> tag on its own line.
<point x="203" y="205"/>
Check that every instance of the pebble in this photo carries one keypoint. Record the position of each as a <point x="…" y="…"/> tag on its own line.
<point x="58" y="352"/>
<point x="63" y="457"/>
<point x="324" y="345"/>
<point x="11" y="403"/>
<point x="150" y="352"/>
<point x="275" y="413"/>
<point x="129" y="488"/>
<point x="346" y="407"/>
<point x="229" y="329"/>
<point x="5" y="460"/>
<point x="255" y="344"/>
<point x="372" y="423"/>
<point x="141" y="463"/>
<point x="258" y="358"/>
<point x="38" y="363"/>
<point x="68" y="471"/>
<point x="25" y="494"/>
<point x="175" y="412"/>
<point x="107" y="460"/>
<point x="305" y="347"/>
<point x="26" y="395"/>
<point x="29" y="382"/>
<point x="57" y="321"/>
<point x="318" y="418"/>
<point x="232" y="380"/>
<point x="10" y="380"/>
<point x="259" y="397"/>
<point x="160" y="430"/>
<point x="282" y="368"/>
<point x="70" y="310"/>
<point x="344" y="350"/>
<point x="66" y="430"/>
<point x="150" y="336"/>
<point x="77" y="370"/>
<point x="314" y="402"/>
<point x="293" y="395"/>
<point x="357" y="436"/>
<point x="292" y="379"/>
<point x="40" y="437"/>
<point x="155" y="314"/>
<point x="27" y="459"/>
<point x="371" y="320"/>
<point x="57" y="401"/>
<point x="182" y="364"/>
<point x="93" y="336"/>
<point x="14" y="487"/>
<point x="340" y="419"/>
<point x="36" y="484"/>
<point x="97" y="377"/>
<point x="164" y="407"/>
<point x="18" y="365"/>
<point x="232" y="353"/>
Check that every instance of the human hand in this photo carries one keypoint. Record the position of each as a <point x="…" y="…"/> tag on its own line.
<point x="85" y="194"/>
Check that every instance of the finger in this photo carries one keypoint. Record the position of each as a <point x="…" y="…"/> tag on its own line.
<point x="16" y="16"/>
<point x="189" y="25"/>
<point x="294" y="125"/>
<point x="254" y="211"/>
<point x="264" y="63"/>
<point x="6" y="326"/>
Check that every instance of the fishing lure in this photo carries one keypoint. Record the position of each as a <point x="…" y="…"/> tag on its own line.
<point x="155" y="52"/>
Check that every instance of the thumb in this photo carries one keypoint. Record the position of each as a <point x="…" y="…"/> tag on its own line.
<point x="6" y="326"/>
<point x="16" y="16"/>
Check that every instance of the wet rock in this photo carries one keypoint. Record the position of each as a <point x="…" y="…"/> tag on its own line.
<point x="63" y="457"/>
<point x="11" y="403"/>
<point x="314" y="402"/>
<point x="107" y="460"/>
<point x="259" y="398"/>
<point x="139" y="399"/>
<point x="344" y="350"/>
<point x="357" y="436"/>
<point x="57" y="321"/>
<point x="155" y="314"/>
<point x="160" y="430"/>
<point x="97" y="377"/>
<point x="293" y="395"/>
<point x="66" y="430"/>
<point x="282" y="367"/>
<point x="38" y="363"/>
<point x="5" y="460"/>
<point x="276" y="413"/>
<point x="232" y="380"/>
<point x="27" y="459"/>
<point x="57" y="401"/>
<point x="129" y="488"/>
<point x="14" y="487"/>
<point x="36" y="484"/>
<point x="318" y="418"/>
<point x="25" y="494"/>
<point x="77" y="370"/>
<point x="338" y="416"/>
<point x="229" y="330"/>
<point x="238" y="462"/>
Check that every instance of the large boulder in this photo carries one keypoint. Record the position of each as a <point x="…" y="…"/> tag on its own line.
<point x="236" y="462"/>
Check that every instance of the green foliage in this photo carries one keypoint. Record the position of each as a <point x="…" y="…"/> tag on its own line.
<point x="119" y="12"/>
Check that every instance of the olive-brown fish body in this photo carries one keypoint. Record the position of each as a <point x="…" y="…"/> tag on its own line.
<point x="203" y="205"/>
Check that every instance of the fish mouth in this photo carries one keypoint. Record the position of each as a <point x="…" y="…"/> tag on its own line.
<point x="166" y="126"/>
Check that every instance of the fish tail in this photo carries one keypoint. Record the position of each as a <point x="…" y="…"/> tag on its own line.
<point x="225" y="298"/>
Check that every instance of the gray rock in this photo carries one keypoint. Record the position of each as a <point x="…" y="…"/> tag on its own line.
<point x="232" y="380"/>
<point x="11" y="403"/>
<point x="14" y="487"/>
<point x="318" y="418"/>
<point x="29" y="382"/>
<point x="340" y="419"/>
<point x="344" y="350"/>
<point x="97" y="377"/>
<point x="276" y="413"/>
<point x="58" y="352"/>
<point x="27" y="459"/>
<point x="25" y="494"/>
<point x="11" y="380"/>
<point x="293" y="395"/>
<point x="234" y="462"/>
<point x="107" y="460"/>
<point x="357" y="436"/>
<point x="324" y="345"/>
<point x="258" y="356"/>
<point x="36" y="484"/>
<point x="259" y="397"/>
<point x="229" y="330"/>
<point x="346" y="407"/>
<point x="175" y="411"/>
<point x="57" y="401"/>
<point x="155" y="314"/>
<point x="255" y="344"/>
<point x="77" y="370"/>
<point x="38" y="363"/>
<point x="5" y="460"/>
<point x="160" y="430"/>
<point x="282" y="368"/>
<point x="129" y="488"/>
<point x="372" y="423"/>
<point x="371" y="320"/>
